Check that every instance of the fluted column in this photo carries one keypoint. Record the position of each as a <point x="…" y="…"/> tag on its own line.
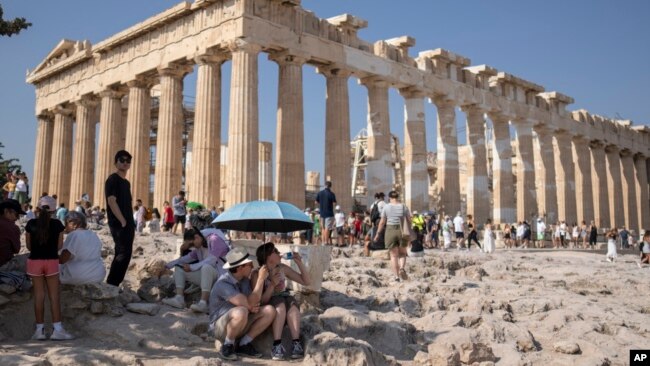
<point x="169" y="141"/>
<point x="61" y="155"/>
<point x="265" y="168"/>
<point x="566" y="193"/>
<point x="502" y="184"/>
<point x="313" y="181"/>
<point x="242" y="177"/>
<point x="337" y="136"/>
<point x="629" y="191"/>
<point x="416" y="177"/>
<point x="379" y="170"/>
<point x="42" y="157"/>
<point x="599" y="180"/>
<point x="83" y="158"/>
<point x="584" y="186"/>
<point x="526" y="197"/>
<point x="545" y="159"/>
<point x="290" y="133"/>
<point x="640" y="168"/>
<point x="204" y="178"/>
<point x="478" y="195"/>
<point x="448" y="173"/>
<point x="138" y="131"/>
<point x="109" y="136"/>
<point x="614" y="186"/>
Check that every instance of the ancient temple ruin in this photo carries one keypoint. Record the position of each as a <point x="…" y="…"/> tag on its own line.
<point x="569" y="165"/>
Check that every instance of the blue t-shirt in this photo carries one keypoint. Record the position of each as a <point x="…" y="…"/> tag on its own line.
<point x="223" y="290"/>
<point x="326" y="200"/>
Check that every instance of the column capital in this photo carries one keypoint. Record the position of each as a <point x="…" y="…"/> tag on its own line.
<point x="626" y="153"/>
<point x="46" y="116"/>
<point x="65" y="110"/>
<point x="174" y="70"/>
<point x="443" y="101"/>
<point x="374" y="81"/>
<point x="498" y="117"/>
<point x="596" y="144"/>
<point x="113" y="93"/>
<point x="611" y="149"/>
<point x="289" y="57"/>
<point x="580" y="139"/>
<point x="640" y="156"/>
<point x="211" y="58"/>
<point x="466" y="108"/>
<point x="412" y="93"/>
<point x="140" y="82"/>
<point x="334" y="71"/>
<point x="243" y="45"/>
<point x="89" y="101"/>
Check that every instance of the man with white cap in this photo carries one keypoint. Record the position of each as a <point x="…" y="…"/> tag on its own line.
<point x="235" y="309"/>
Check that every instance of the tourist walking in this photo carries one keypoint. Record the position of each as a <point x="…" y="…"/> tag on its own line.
<point x="473" y="234"/>
<point x="575" y="235"/>
<point x="583" y="234"/>
<point x="120" y="213"/>
<point x="623" y="234"/>
<point x="447" y="228"/>
<point x="326" y="200"/>
<point x="563" y="234"/>
<point x="645" y="249"/>
<point x="140" y="216"/>
<point x="507" y="240"/>
<point x="541" y="229"/>
<point x="21" y="190"/>
<point x="593" y="234"/>
<point x="488" y="237"/>
<point x="180" y="212"/>
<point x="168" y="217"/>
<point x="394" y="216"/>
<point x="459" y="229"/>
<point x="611" y="245"/>
<point x="44" y="239"/>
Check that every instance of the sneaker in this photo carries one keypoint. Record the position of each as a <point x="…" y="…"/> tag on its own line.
<point x="175" y="302"/>
<point x="639" y="264"/>
<point x="227" y="352"/>
<point x="248" y="350"/>
<point x="403" y="275"/>
<point x="61" y="335"/>
<point x="192" y="288"/>
<point x="297" y="351"/>
<point x="277" y="352"/>
<point x="199" y="307"/>
<point x="39" y="335"/>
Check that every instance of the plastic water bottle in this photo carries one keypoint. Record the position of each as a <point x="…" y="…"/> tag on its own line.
<point x="287" y="255"/>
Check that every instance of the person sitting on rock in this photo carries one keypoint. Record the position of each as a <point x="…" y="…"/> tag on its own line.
<point x="81" y="257"/>
<point x="285" y="305"/>
<point x="645" y="249"/>
<point x="199" y="266"/>
<point x="10" y="211"/>
<point x="235" y="309"/>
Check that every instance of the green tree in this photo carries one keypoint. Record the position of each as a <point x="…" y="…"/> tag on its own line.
<point x="11" y="27"/>
<point x="6" y="166"/>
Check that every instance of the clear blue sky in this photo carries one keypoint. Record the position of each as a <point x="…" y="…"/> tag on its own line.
<point x="596" y="51"/>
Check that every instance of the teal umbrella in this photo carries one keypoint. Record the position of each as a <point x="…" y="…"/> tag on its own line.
<point x="263" y="216"/>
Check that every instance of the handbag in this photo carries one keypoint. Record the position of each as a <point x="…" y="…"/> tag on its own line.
<point x="407" y="231"/>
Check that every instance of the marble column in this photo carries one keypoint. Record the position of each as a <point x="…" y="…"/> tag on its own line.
<point x="502" y="179"/>
<point x="640" y="168"/>
<point x="614" y="186"/>
<point x="584" y="186"/>
<point x="416" y="177"/>
<point x="599" y="180"/>
<point x="630" y="207"/>
<point x="204" y="178"/>
<point x="109" y="136"/>
<point x="547" y="190"/>
<point x="526" y="197"/>
<point x="242" y="176"/>
<point x="338" y="156"/>
<point x="169" y="141"/>
<point x="290" y="133"/>
<point x="379" y="169"/>
<point x="448" y="173"/>
<point x="83" y="158"/>
<point x="265" y="168"/>
<point x="478" y="195"/>
<point x="313" y="181"/>
<point x="138" y="131"/>
<point x="61" y="155"/>
<point x="566" y="192"/>
<point x="42" y="157"/>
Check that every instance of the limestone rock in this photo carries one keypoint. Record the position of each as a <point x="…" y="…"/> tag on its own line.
<point x="380" y="254"/>
<point x="3" y="300"/>
<point x="194" y="361"/>
<point x="476" y="352"/>
<point x="444" y="354"/>
<point x="6" y="289"/>
<point x="96" y="307"/>
<point x="422" y="359"/>
<point x="143" y="308"/>
<point x="97" y="291"/>
<point x="569" y="348"/>
<point x="329" y="349"/>
<point x="154" y="268"/>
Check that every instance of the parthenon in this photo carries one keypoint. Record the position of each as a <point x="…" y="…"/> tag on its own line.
<point x="588" y="167"/>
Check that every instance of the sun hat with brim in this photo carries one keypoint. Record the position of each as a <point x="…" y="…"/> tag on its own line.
<point x="236" y="258"/>
<point x="12" y="204"/>
<point x="47" y="201"/>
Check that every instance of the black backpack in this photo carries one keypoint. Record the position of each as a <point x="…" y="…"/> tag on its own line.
<point x="374" y="213"/>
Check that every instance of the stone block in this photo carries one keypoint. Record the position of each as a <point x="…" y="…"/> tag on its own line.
<point x="3" y="300"/>
<point x="569" y="348"/>
<point x="380" y="254"/>
<point x="7" y="289"/>
<point x="96" y="307"/>
<point x="143" y="308"/>
<point x="98" y="291"/>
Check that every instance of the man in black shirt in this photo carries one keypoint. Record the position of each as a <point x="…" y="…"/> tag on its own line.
<point x="120" y="217"/>
<point x="326" y="201"/>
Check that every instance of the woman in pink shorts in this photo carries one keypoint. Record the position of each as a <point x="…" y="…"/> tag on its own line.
<point x="44" y="239"/>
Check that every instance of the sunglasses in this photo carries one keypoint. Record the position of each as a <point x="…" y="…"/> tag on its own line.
<point x="125" y="160"/>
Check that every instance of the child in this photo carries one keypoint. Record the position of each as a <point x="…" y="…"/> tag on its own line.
<point x="276" y="294"/>
<point x="44" y="239"/>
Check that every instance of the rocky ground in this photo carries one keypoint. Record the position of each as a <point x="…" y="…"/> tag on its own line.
<point x="513" y="307"/>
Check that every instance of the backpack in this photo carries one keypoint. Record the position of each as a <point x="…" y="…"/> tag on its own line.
<point x="374" y="213"/>
<point x="148" y="214"/>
